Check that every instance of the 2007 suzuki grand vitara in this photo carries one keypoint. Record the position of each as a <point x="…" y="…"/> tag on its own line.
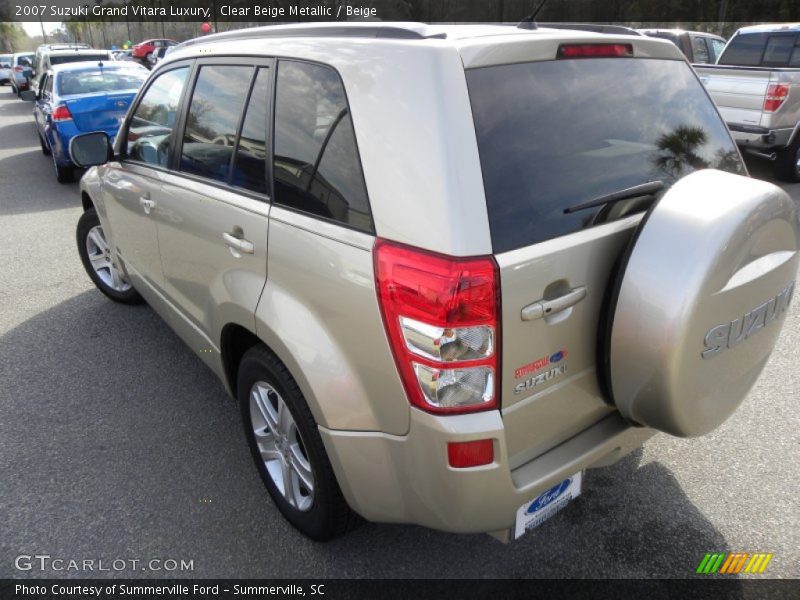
<point x="444" y="269"/>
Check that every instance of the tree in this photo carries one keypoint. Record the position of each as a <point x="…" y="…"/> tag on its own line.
<point x="13" y="38"/>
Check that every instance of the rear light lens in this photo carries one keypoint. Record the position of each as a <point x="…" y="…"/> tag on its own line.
<point x="61" y="113"/>
<point x="18" y="68"/>
<point x="594" y="50"/>
<point x="442" y="317"/>
<point x="470" y="454"/>
<point x="776" y="95"/>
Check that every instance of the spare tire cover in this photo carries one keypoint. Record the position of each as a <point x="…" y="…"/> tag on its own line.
<point x="699" y="300"/>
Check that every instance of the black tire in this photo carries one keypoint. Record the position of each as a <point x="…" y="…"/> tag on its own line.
<point x="63" y="174"/>
<point x="787" y="163"/>
<point x="45" y="147"/>
<point x="329" y="516"/>
<point x="88" y="221"/>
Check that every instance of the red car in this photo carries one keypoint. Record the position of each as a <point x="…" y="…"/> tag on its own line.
<point x="144" y="49"/>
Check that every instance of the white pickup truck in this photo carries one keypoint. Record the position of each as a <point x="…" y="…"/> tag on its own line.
<point x="756" y="86"/>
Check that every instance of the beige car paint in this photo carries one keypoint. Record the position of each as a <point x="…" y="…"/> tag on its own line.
<point x="308" y="289"/>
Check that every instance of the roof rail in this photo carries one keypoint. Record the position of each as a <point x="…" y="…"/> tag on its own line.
<point x="593" y="27"/>
<point x="410" y="31"/>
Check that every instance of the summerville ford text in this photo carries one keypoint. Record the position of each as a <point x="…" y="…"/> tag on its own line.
<point x="59" y="589"/>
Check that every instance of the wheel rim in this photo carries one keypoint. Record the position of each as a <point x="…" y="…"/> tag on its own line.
<point x="281" y="446"/>
<point x="100" y="258"/>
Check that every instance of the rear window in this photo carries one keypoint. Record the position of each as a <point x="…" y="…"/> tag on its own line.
<point x="70" y="58"/>
<point x="762" y="50"/>
<point x="552" y="135"/>
<point x="89" y="82"/>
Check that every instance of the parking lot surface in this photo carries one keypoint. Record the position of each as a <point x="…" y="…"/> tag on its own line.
<point x="117" y="443"/>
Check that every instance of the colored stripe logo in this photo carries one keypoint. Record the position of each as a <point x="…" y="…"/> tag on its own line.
<point x="734" y="563"/>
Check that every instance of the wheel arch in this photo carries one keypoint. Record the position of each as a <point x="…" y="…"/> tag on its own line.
<point x="235" y="341"/>
<point x="86" y="201"/>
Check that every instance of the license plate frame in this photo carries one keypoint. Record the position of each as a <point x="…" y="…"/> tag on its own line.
<point x="547" y="504"/>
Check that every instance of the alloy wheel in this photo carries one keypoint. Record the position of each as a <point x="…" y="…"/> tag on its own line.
<point x="100" y="258"/>
<point x="281" y="446"/>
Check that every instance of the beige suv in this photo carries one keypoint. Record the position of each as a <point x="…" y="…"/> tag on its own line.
<point x="443" y="270"/>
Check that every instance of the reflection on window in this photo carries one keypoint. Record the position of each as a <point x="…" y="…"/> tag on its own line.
<point x="552" y="135"/>
<point x="316" y="165"/>
<point x="151" y="126"/>
<point x="250" y="168"/>
<point x="213" y="119"/>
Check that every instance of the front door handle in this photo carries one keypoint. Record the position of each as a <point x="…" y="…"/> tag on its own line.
<point x="237" y="244"/>
<point x="146" y="203"/>
<point x="546" y="308"/>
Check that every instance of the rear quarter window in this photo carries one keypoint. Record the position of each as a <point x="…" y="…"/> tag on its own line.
<point x="555" y="134"/>
<point x="317" y="169"/>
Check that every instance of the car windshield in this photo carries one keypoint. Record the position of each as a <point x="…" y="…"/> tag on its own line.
<point x="70" y="58"/>
<point x="98" y="80"/>
<point x="5" y="59"/>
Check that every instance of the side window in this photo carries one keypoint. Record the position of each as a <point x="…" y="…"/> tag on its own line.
<point x="148" y="137"/>
<point x="250" y="166"/>
<point x="699" y="49"/>
<point x="48" y="85"/>
<point x="213" y="120"/>
<point x="716" y="47"/>
<point x="316" y="165"/>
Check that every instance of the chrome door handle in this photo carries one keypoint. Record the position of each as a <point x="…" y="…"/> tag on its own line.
<point x="238" y="244"/>
<point x="147" y="204"/>
<point x="545" y="308"/>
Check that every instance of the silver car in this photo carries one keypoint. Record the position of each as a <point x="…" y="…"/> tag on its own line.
<point x="442" y="269"/>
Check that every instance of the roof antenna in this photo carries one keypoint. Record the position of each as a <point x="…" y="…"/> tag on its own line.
<point x="529" y="22"/>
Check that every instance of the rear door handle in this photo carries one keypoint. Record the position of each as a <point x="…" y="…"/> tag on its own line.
<point x="238" y="244"/>
<point x="545" y="308"/>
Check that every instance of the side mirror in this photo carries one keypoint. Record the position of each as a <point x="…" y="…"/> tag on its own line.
<point x="90" y="149"/>
<point x="28" y="96"/>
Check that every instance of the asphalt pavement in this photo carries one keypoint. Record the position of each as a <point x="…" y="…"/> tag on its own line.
<point x="116" y="443"/>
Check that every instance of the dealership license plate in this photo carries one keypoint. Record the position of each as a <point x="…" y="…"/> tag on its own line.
<point x="537" y="511"/>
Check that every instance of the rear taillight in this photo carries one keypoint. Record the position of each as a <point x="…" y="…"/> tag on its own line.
<point x="594" y="50"/>
<point x="61" y="113"/>
<point x="18" y="68"/>
<point x="442" y="317"/>
<point x="776" y="95"/>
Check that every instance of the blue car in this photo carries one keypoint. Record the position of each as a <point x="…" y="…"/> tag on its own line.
<point x="82" y="97"/>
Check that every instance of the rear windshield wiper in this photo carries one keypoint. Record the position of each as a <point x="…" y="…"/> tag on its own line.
<point x="645" y="189"/>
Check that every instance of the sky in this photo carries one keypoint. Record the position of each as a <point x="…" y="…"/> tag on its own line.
<point x="33" y="28"/>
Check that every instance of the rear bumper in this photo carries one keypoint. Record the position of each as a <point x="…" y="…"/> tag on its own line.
<point x="407" y="479"/>
<point x="761" y="138"/>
